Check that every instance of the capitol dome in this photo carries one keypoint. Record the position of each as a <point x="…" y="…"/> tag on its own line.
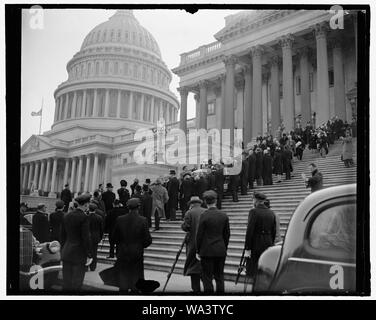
<point x="117" y="77"/>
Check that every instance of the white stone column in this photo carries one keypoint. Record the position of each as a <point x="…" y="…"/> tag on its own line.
<point x="47" y="177"/>
<point x="256" y="91"/>
<point x="66" y="106"/>
<point x="247" y="120"/>
<point x="304" y="85"/>
<point x="41" y="174"/>
<point x="56" y="109"/>
<point x="274" y="94"/>
<point x="221" y="114"/>
<point x="106" y="102"/>
<point x="36" y="171"/>
<point x="323" y="112"/>
<point x="197" y="100"/>
<point x="79" y="174"/>
<point x="183" y="108"/>
<point x="52" y="194"/>
<point x="229" y="118"/>
<point x="66" y="170"/>
<point x="106" y="169"/>
<point x="87" y="173"/>
<point x="203" y="112"/>
<point x="31" y="171"/>
<point x="83" y="108"/>
<point x="74" y="103"/>
<point x="94" y="183"/>
<point x="152" y="120"/>
<point x="118" y="106"/>
<point x="61" y="108"/>
<point x="24" y="180"/>
<point x="73" y="175"/>
<point x="95" y="104"/>
<point x="288" y="83"/>
<point x="339" y="82"/>
<point x="130" y="109"/>
<point x="142" y="107"/>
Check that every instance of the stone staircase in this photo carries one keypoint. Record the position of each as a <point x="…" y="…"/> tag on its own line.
<point x="284" y="198"/>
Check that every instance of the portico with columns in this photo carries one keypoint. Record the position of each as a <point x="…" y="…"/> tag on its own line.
<point x="293" y="69"/>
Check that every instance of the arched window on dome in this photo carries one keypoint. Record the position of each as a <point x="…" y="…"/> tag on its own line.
<point x="104" y="35"/>
<point x="98" y="35"/>
<point x="112" y="35"/>
<point x="140" y="37"/>
<point x="125" y="69"/>
<point x="92" y="37"/>
<point x="82" y="70"/>
<point x="135" y="70"/>
<point x="116" y="68"/>
<point x="119" y="36"/>
<point x="126" y="36"/>
<point x="144" y="73"/>
<point x="159" y="78"/>
<point x="97" y="68"/>
<point x="106" y="67"/>
<point x="88" y="69"/>
<point x="134" y="37"/>
<point x="152" y="75"/>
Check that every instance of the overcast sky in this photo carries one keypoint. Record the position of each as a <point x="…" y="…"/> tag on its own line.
<point x="45" y="52"/>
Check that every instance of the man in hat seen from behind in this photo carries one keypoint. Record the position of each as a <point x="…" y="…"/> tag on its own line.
<point x="76" y="244"/>
<point x="123" y="193"/>
<point x="56" y="220"/>
<point x="146" y="203"/>
<point x="173" y="195"/>
<point x="66" y="196"/>
<point x="192" y="266"/>
<point x="186" y="192"/>
<point x="40" y="224"/>
<point x="108" y="197"/>
<point x="261" y="232"/>
<point x="109" y="224"/>
<point x="131" y="235"/>
<point x="96" y="224"/>
<point x="212" y="240"/>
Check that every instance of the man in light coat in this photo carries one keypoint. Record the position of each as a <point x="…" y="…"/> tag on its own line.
<point x="160" y="198"/>
<point x="192" y="266"/>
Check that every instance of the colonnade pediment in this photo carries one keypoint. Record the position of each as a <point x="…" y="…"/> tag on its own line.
<point x="35" y="144"/>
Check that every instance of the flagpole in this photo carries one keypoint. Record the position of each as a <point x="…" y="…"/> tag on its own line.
<point x="40" y="121"/>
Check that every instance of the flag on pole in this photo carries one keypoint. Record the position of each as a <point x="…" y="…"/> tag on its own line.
<point x="36" y="114"/>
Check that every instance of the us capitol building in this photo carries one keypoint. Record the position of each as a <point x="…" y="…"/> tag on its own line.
<point x="267" y="68"/>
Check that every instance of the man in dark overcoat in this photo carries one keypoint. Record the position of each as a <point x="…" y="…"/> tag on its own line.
<point x="244" y="175"/>
<point x="201" y="185"/>
<point x="212" y="240"/>
<point x="108" y="197"/>
<point x="192" y="266"/>
<point x="286" y="161"/>
<point x="123" y="193"/>
<point x="278" y="164"/>
<point x="76" y="244"/>
<point x="56" y="220"/>
<point x="219" y="184"/>
<point x="173" y="195"/>
<point x="258" y="169"/>
<point x="251" y="168"/>
<point x="146" y="203"/>
<point x="261" y="231"/>
<point x="66" y="196"/>
<point x="96" y="224"/>
<point x="40" y="224"/>
<point x="267" y="167"/>
<point x="131" y="235"/>
<point x="109" y="224"/>
<point x="186" y="192"/>
<point x="316" y="181"/>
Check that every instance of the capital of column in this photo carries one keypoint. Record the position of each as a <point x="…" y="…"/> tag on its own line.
<point x="203" y="84"/>
<point x="286" y="41"/>
<point x="183" y="91"/>
<point x="257" y="51"/>
<point x="275" y="61"/>
<point x="230" y="60"/>
<point x="320" y="30"/>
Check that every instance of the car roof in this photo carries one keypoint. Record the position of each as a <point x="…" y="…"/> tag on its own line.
<point x="322" y="195"/>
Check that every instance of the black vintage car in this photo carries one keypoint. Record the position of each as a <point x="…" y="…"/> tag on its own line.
<point x="318" y="254"/>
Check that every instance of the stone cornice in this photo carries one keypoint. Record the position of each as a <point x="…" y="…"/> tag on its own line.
<point x="198" y="63"/>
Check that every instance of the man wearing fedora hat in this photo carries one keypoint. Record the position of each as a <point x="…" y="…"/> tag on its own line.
<point x="56" y="220"/>
<point x="186" y="192"/>
<point x="192" y="266"/>
<point x="173" y="195"/>
<point x="66" y="196"/>
<point x="160" y="198"/>
<point x="76" y="244"/>
<point x="131" y="235"/>
<point x="40" y="224"/>
<point x="261" y="232"/>
<point x="108" y="197"/>
<point x="212" y="240"/>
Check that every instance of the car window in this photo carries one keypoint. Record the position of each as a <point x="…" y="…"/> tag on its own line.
<point x="335" y="229"/>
